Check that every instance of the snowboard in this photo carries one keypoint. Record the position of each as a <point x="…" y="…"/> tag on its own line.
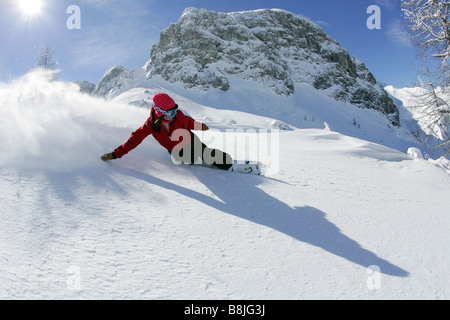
<point x="247" y="167"/>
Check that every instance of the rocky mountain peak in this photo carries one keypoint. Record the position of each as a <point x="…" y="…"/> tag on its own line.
<point x="207" y="50"/>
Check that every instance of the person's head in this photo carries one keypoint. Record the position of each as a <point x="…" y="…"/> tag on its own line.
<point x="165" y="107"/>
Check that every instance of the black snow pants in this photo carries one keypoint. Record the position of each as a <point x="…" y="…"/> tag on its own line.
<point x="195" y="151"/>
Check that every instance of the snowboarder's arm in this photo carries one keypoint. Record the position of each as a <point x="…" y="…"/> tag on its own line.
<point x="136" y="138"/>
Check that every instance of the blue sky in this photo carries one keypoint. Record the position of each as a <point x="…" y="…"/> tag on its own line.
<point x="121" y="32"/>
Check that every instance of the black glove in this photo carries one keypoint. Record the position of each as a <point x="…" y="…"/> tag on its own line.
<point x="108" y="156"/>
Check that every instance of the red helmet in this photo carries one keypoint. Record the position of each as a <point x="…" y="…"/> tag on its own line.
<point x="163" y="101"/>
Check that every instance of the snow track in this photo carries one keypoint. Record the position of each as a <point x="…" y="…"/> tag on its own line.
<point x="144" y="228"/>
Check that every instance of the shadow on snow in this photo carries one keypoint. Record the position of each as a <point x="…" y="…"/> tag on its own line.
<point x="242" y="198"/>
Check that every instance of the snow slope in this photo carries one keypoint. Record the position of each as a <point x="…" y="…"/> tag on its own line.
<point x="73" y="227"/>
<point x="306" y="108"/>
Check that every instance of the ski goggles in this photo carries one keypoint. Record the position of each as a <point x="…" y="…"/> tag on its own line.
<point x="170" y="113"/>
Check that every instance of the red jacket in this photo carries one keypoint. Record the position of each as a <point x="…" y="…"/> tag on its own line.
<point x="167" y="139"/>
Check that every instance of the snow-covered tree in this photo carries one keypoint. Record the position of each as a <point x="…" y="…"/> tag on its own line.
<point x="45" y="58"/>
<point x="434" y="105"/>
<point x="428" y="22"/>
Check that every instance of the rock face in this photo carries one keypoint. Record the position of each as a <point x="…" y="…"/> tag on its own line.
<point x="207" y="50"/>
<point x="115" y="80"/>
<point x="86" y="86"/>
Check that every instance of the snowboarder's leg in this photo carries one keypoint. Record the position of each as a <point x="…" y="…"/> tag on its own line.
<point x="196" y="151"/>
<point x="217" y="158"/>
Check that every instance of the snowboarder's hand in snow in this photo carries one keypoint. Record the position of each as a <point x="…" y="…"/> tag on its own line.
<point x="205" y="127"/>
<point x="108" y="156"/>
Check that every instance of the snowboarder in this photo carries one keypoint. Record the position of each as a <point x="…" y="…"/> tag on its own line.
<point x="172" y="129"/>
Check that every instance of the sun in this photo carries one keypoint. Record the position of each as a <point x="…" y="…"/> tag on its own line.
<point x="31" y="8"/>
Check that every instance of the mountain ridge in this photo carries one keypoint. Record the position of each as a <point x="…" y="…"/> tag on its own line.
<point x="270" y="63"/>
<point x="207" y="50"/>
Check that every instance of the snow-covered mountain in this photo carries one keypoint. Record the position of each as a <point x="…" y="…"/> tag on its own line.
<point x="337" y="217"/>
<point x="315" y="81"/>
<point x="207" y="51"/>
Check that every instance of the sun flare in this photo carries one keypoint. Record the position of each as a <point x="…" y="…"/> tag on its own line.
<point x="30" y="8"/>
